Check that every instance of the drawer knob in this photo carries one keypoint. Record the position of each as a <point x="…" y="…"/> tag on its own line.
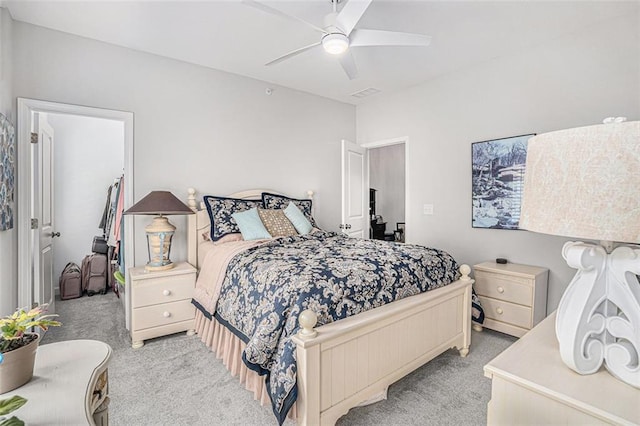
<point x="166" y="314"/>
<point x="499" y="311"/>
<point x="500" y="290"/>
<point x="168" y="292"/>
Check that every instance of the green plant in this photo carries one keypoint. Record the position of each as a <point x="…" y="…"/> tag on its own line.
<point x="9" y="405"/>
<point x="14" y="328"/>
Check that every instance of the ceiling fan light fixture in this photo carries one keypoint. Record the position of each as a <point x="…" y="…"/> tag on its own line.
<point x="335" y="43"/>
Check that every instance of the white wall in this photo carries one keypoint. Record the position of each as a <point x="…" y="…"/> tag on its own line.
<point x="8" y="238"/>
<point x="387" y="175"/>
<point x="88" y="155"/>
<point x="576" y="80"/>
<point x="194" y="126"/>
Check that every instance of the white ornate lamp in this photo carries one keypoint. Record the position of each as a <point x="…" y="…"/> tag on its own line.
<point x="159" y="231"/>
<point x="585" y="183"/>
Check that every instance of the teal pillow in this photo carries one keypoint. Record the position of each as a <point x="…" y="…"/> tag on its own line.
<point x="298" y="219"/>
<point x="250" y="225"/>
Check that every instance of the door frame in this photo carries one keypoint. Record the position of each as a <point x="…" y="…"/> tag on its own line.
<point x="23" y="183"/>
<point x="388" y="142"/>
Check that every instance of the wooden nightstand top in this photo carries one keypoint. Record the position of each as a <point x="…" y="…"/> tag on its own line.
<point x="139" y="273"/>
<point x="534" y="363"/>
<point x="514" y="269"/>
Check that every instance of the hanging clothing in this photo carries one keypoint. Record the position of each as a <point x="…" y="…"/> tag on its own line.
<point x="111" y="201"/>
<point x="105" y="212"/>
<point x="119" y="210"/>
<point x="111" y="220"/>
<point x="115" y="195"/>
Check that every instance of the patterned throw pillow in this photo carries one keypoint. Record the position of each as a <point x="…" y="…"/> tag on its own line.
<point x="275" y="201"/>
<point x="277" y="223"/>
<point x="220" y="210"/>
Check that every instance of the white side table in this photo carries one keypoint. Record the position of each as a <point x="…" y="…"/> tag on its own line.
<point x="161" y="302"/>
<point x="530" y="385"/>
<point x="69" y="385"/>
<point x="514" y="296"/>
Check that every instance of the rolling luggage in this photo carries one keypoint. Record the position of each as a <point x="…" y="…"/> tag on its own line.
<point x="95" y="269"/>
<point x="70" y="282"/>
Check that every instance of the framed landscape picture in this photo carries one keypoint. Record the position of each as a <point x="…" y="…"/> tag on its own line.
<point x="498" y="168"/>
<point x="7" y="172"/>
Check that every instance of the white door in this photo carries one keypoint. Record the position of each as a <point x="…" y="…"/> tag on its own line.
<point x="42" y="211"/>
<point x="355" y="196"/>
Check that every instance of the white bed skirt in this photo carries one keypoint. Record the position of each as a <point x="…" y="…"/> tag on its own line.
<point x="228" y="347"/>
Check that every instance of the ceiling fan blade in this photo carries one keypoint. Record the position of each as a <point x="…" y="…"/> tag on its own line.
<point x="362" y="37"/>
<point x="293" y="53"/>
<point x="351" y="14"/>
<point x="349" y="65"/>
<point x="281" y="14"/>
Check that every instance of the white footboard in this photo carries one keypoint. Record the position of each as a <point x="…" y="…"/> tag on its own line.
<point x="344" y="363"/>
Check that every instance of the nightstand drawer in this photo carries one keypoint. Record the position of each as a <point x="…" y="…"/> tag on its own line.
<point x="163" y="290"/>
<point x="510" y="313"/>
<point x="166" y="313"/>
<point x="511" y="289"/>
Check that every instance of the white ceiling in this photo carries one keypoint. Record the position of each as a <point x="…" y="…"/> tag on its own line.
<point x="231" y="36"/>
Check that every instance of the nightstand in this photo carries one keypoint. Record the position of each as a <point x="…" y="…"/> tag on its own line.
<point x="513" y="296"/>
<point x="161" y="302"/>
<point x="530" y="385"/>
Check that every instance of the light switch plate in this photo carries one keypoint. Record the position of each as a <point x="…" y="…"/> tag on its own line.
<point x="427" y="209"/>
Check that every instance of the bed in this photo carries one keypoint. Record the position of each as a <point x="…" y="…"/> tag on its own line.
<point x="338" y="365"/>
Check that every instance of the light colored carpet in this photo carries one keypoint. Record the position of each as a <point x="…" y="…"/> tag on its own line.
<point x="176" y="380"/>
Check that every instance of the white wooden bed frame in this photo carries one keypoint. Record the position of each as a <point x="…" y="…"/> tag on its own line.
<point x="349" y="361"/>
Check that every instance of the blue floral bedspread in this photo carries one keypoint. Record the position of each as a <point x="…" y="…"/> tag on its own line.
<point x="266" y="287"/>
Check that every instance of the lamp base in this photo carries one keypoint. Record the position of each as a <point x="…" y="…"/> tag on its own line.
<point x="159" y="234"/>
<point x="598" y="319"/>
<point x="152" y="268"/>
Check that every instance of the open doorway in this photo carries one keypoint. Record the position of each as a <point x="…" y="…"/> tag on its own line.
<point x="68" y="143"/>
<point x="388" y="190"/>
<point x="88" y="158"/>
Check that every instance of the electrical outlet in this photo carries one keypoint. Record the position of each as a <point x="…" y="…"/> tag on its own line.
<point x="427" y="209"/>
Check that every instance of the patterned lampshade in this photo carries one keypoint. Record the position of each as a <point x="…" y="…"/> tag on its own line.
<point x="584" y="183"/>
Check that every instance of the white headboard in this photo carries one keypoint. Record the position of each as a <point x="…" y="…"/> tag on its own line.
<point x="200" y="224"/>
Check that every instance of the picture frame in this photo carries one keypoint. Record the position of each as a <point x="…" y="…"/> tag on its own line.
<point x="7" y="172"/>
<point x="497" y="178"/>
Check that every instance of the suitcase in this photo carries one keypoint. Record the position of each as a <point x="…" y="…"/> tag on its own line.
<point x="70" y="282"/>
<point x="95" y="268"/>
<point x="99" y="245"/>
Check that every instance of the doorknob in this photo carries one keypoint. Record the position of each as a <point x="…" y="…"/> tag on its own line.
<point x="341" y="226"/>
<point x="347" y="226"/>
<point x="55" y="234"/>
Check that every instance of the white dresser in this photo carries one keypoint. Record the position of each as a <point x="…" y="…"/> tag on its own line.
<point x="161" y="302"/>
<point x="513" y="296"/>
<point x="530" y="385"/>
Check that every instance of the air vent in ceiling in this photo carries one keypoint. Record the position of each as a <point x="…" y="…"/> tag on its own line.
<point x="366" y="92"/>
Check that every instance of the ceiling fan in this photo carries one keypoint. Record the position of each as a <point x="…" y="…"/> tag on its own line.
<point x="339" y="33"/>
